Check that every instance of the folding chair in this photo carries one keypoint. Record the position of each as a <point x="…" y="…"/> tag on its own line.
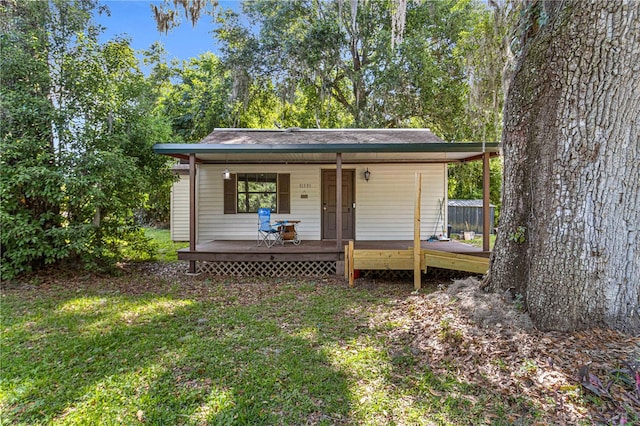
<point x="267" y="234"/>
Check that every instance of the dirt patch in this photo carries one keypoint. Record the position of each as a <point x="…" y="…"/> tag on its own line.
<point x="488" y="309"/>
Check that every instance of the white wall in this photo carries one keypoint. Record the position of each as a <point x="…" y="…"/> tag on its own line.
<point x="180" y="209"/>
<point x="384" y="205"/>
<point x="215" y="225"/>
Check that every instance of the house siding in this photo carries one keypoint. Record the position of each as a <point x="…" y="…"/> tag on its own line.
<point x="179" y="221"/>
<point x="384" y="204"/>
<point x="215" y="225"/>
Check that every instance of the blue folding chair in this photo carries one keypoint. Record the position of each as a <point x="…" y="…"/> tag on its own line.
<point x="267" y="234"/>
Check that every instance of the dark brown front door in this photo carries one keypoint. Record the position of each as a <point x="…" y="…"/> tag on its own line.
<point x="329" y="205"/>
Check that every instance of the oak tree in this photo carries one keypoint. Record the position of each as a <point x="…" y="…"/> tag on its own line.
<point x="569" y="229"/>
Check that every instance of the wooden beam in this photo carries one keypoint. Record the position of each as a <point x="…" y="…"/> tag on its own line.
<point x="417" y="273"/>
<point x="338" y="201"/>
<point x="351" y="271"/>
<point x="486" y="225"/>
<point x="192" y="210"/>
<point x="258" y="257"/>
<point x="398" y="260"/>
<point x="346" y="262"/>
<point x="476" y="157"/>
<point x="456" y="262"/>
<point x="383" y="260"/>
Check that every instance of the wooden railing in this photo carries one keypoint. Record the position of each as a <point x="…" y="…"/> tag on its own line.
<point x="392" y="260"/>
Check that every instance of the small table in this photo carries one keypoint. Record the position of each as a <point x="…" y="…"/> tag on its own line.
<point x="288" y="231"/>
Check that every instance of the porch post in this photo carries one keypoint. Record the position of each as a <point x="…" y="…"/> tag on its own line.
<point x="486" y="225"/>
<point x="417" y="252"/>
<point x="192" y="210"/>
<point x="339" y="202"/>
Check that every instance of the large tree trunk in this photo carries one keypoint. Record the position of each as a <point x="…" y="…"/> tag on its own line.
<point x="569" y="234"/>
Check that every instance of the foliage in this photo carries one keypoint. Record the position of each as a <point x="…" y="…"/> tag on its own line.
<point x="477" y="241"/>
<point x="76" y="140"/>
<point x="446" y="74"/>
<point x="519" y="235"/>
<point x="627" y="381"/>
<point x="320" y="64"/>
<point x="196" y="101"/>
<point x="165" y="250"/>
<point x="465" y="182"/>
<point x="340" y="57"/>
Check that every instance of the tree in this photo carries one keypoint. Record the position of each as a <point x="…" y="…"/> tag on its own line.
<point x="196" y="103"/>
<point x="76" y="139"/>
<point x="568" y="234"/>
<point x="31" y="200"/>
<point x="343" y="56"/>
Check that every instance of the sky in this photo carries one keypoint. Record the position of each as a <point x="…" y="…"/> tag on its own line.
<point x="134" y="19"/>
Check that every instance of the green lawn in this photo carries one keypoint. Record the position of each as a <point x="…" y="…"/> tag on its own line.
<point x="154" y="346"/>
<point x="118" y="350"/>
<point x="163" y="348"/>
<point x="166" y="249"/>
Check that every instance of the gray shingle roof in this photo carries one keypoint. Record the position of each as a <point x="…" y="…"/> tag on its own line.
<point x="320" y="136"/>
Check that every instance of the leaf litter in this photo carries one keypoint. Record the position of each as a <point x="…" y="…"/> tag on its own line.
<point x="486" y="339"/>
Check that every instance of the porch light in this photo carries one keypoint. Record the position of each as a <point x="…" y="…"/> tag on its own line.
<point x="226" y="175"/>
<point x="367" y="175"/>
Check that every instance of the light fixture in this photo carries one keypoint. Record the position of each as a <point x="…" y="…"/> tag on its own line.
<point x="367" y="175"/>
<point x="226" y="175"/>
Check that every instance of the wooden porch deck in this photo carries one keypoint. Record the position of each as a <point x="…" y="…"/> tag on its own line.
<point x="247" y="250"/>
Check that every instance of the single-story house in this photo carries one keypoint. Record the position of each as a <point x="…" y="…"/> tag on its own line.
<point x="233" y="172"/>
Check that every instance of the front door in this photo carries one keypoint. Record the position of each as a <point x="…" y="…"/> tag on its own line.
<point x="329" y="205"/>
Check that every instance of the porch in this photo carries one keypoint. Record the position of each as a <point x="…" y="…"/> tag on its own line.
<point x="244" y="257"/>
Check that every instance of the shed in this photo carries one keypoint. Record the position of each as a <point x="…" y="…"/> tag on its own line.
<point x="466" y="215"/>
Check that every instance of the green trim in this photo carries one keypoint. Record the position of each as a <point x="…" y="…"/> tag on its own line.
<point x="198" y="148"/>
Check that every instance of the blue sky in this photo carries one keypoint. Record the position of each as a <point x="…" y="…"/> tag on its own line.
<point x="134" y="18"/>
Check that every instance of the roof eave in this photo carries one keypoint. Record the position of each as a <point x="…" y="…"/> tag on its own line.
<point x="173" y="149"/>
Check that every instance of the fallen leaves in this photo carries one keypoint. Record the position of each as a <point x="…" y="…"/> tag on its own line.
<point x="486" y="341"/>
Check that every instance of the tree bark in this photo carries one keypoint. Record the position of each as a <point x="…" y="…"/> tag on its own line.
<point x="570" y="224"/>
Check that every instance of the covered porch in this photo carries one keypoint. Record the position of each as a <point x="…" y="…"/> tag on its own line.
<point x="234" y="250"/>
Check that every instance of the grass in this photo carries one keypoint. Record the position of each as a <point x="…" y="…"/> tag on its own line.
<point x="163" y="348"/>
<point x="130" y="349"/>
<point x="477" y="241"/>
<point x="166" y="250"/>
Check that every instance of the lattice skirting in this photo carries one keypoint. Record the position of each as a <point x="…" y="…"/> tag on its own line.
<point x="269" y="269"/>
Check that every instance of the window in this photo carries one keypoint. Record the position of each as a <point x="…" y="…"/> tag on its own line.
<point x="247" y="192"/>
<point x="257" y="190"/>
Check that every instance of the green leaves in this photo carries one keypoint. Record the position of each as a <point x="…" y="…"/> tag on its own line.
<point x="76" y="137"/>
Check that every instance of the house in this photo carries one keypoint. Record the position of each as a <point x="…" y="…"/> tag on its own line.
<point x="232" y="172"/>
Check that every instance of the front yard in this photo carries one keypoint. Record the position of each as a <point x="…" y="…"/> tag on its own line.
<point x="154" y="346"/>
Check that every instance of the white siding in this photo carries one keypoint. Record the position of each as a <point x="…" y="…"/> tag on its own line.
<point x="215" y="225"/>
<point x="384" y="205"/>
<point x="180" y="209"/>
